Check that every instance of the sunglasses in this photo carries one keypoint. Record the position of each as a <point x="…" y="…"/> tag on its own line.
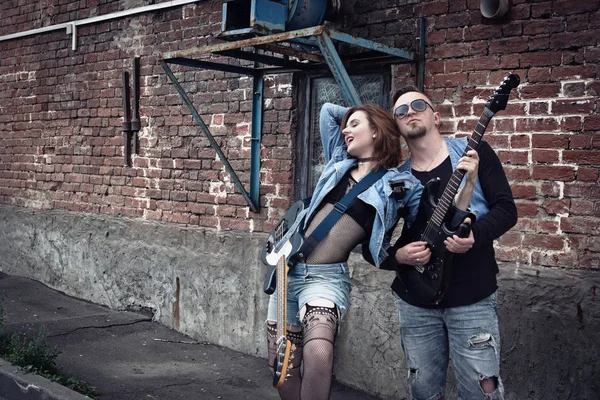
<point x="419" y="105"/>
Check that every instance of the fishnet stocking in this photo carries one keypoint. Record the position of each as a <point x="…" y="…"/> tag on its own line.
<point x="320" y="327"/>
<point x="290" y="390"/>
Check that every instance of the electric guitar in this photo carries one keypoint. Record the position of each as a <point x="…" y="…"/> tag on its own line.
<point x="429" y="283"/>
<point x="282" y="242"/>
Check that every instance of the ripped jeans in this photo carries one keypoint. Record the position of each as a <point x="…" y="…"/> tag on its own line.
<point x="468" y="335"/>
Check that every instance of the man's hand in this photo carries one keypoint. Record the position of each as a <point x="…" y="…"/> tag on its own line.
<point x="470" y="164"/>
<point x="415" y="253"/>
<point x="455" y="244"/>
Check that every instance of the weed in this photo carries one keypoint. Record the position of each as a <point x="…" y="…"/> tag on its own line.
<point x="37" y="356"/>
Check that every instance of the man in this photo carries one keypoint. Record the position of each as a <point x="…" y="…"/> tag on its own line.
<point x="464" y="325"/>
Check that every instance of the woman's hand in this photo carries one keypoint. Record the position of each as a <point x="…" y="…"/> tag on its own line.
<point x="415" y="253"/>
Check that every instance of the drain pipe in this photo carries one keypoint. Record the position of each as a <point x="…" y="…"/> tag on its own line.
<point x="71" y="27"/>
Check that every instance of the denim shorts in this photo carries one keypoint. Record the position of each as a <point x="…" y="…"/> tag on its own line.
<point x="308" y="282"/>
<point x="468" y="335"/>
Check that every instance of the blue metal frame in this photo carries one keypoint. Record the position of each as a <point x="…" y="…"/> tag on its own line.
<point x="294" y="49"/>
<point x="252" y="201"/>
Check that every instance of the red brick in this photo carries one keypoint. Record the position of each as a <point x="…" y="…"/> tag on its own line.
<point x="536" y="124"/>
<point x="554" y="259"/>
<point x="523" y="191"/>
<point x="545" y="26"/>
<point x="520" y="141"/>
<point x="435" y="8"/>
<point x="450" y="50"/>
<point x="571" y="124"/>
<point x="566" y="7"/>
<point x="554" y="207"/>
<point x="509" y="45"/>
<point x="582" y="157"/>
<point x="517" y="174"/>
<point x="541" y="10"/>
<point x="574" y="72"/>
<point x="512" y="255"/>
<point x="585" y="225"/>
<point x="548" y="242"/>
<point x="542" y="140"/>
<point x="581" y="142"/>
<point x="544" y="156"/>
<point x="538" y="91"/>
<point x="590" y="260"/>
<point x="583" y="190"/>
<point x="550" y="189"/>
<point x="591" y="123"/>
<point x="554" y="173"/>
<point x="541" y="58"/>
<point x="527" y="208"/>
<point x="587" y="174"/>
<point x="582" y="207"/>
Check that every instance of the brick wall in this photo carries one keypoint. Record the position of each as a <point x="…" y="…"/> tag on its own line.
<point x="60" y="114"/>
<point x="548" y="136"/>
<point x="61" y="144"/>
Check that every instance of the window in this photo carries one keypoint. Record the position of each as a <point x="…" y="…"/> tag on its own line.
<point x="371" y="88"/>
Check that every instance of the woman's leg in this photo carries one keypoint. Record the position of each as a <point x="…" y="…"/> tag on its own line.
<point x="320" y="319"/>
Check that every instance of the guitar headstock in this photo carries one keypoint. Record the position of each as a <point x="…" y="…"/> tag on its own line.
<point x="282" y="364"/>
<point x="499" y="99"/>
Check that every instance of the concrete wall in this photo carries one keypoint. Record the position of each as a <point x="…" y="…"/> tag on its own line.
<point x="550" y="318"/>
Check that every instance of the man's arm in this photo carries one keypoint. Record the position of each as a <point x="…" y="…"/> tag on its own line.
<point x="502" y="213"/>
<point x="330" y="120"/>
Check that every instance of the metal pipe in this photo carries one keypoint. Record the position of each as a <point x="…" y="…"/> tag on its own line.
<point x="257" y="112"/>
<point x="135" y="105"/>
<point x="422" y="43"/>
<point x="126" y="121"/>
<point x="71" y="26"/>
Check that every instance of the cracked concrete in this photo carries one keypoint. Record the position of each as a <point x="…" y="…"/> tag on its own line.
<point x="126" y="356"/>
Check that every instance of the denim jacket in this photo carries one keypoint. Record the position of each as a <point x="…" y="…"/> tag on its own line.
<point x="456" y="147"/>
<point x="378" y="195"/>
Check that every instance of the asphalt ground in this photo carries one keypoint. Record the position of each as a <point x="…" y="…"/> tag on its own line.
<point x="127" y="356"/>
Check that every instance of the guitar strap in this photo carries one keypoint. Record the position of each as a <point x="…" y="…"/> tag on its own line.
<point x="311" y="242"/>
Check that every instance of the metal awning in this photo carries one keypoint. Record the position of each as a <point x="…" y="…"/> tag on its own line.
<point x="304" y="50"/>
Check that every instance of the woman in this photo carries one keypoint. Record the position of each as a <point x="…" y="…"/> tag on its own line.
<point x="319" y="286"/>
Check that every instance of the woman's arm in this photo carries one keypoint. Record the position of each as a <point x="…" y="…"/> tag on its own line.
<point x="330" y="120"/>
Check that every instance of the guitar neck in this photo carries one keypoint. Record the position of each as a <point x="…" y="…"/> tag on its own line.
<point x="281" y="297"/>
<point x="445" y="200"/>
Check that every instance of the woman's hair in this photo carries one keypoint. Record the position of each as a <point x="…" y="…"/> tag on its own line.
<point x="387" y="151"/>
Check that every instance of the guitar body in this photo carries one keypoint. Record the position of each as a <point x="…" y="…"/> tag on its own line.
<point x="276" y="246"/>
<point x="429" y="283"/>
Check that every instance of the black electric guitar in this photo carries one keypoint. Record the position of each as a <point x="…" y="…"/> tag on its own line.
<point x="428" y="283"/>
<point x="282" y="242"/>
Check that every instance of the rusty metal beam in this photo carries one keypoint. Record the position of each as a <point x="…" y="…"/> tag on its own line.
<point x="264" y="59"/>
<point x="289" y="51"/>
<point x="278" y="37"/>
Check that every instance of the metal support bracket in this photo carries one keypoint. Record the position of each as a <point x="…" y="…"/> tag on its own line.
<point x="253" y="203"/>
<point x="303" y="50"/>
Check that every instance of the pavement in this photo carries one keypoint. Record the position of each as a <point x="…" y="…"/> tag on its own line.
<point x="125" y="355"/>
